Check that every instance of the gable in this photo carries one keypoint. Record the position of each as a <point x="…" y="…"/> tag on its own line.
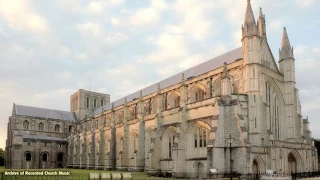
<point x="267" y="59"/>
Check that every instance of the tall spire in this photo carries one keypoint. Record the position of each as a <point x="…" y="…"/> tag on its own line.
<point x="286" y="51"/>
<point x="250" y="27"/>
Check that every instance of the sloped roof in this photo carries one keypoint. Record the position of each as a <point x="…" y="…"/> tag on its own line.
<point x="40" y="137"/>
<point x="44" y="138"/>
<point x="207" y="66"/>
<point x="42" y="113"/>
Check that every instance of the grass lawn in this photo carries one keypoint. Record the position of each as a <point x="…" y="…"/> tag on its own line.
<point x="76" y="174"/>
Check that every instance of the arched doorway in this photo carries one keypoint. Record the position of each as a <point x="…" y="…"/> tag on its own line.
<point x="255" y="167"/>
<point x="198" y="169"/>
<point x="292" y="163"/>
<point x="60" y="157"/>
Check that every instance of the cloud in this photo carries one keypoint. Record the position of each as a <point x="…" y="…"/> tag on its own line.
<point x="145" y="17"/>
<point x="169" y="47"/>
<point x="305" y="3"/>
<point x="194" y="19"/>
<point x="116" y="38"/>
<point x="90" y="28"/>
<point x="22" y="17"/>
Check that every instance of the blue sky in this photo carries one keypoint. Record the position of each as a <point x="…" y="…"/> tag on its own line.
<point x="50" y="49"/>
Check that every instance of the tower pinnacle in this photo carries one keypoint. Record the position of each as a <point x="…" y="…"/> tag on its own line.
<point x="250" y="27"/>
<point x="285" y="39"/>
<point x="286" y="51"/>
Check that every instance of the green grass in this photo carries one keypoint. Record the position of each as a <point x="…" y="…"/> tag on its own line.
<point x="76" y="174"/>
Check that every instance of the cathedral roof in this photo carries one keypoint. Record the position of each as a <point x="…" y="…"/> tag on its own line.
<point x="42" y="113"/>
<point x="202" y="68"/>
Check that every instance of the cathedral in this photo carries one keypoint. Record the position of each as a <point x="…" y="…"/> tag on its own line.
<point x="238" y="112"/>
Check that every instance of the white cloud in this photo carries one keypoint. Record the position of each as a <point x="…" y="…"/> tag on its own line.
<point x="64" y="75"/>
<point x="99" y="6"/>
<point x="116" y="22"/>
<point x="20" y="16"/>
<point x="170" y="47"/>
<point x="305" y="3"/>
<point x="159" y="4"/>
<point x="116" y="38"/>
<point x="90" y="28"/>
<point x="194" y="20"/>
<point x="145" y="17"/>
<point x="276" y="25"/>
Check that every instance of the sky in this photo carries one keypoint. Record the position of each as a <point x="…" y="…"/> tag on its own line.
<point x="50" y="49"/>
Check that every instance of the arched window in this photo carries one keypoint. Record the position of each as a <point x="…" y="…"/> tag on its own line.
<point x="133" y="143"/>
<point x="170" y="147"/>
<point x="70" y="129"/>
<point x="197" y="94"/>
<point x="200" y="137"/>
<point x="26" y="125"/>
<point x="154" y="105"/>
<point x="177" y="102"/>
<point x="41" y="127"/>
<point x="95" y="103"/>
<point x="197" y="141"/>
<point x="168" y="142"/>
<point x="28" y="156"/>
<point x="57" y="128"/>
<point x="44" y="156"/>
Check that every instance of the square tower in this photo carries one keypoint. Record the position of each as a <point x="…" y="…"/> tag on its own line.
<point x="83" y="102"/>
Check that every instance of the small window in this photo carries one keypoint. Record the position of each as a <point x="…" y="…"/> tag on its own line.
<point x="253" y="73"/>
<point x="254" y="98"/>
<point x="94" y="103"/>
<point x="41" y="126"/>
<point x="60" y="145"/>
<point x="44" y="157"/>
<point x="28" y="156"/>
<point x="28" y="143"/>
<point x="70" y="129"/>
<point x="101" y="103"/>
<point x="87" y="102"/>
<point x="26" y="125"/>
<point x="255" y="122"/>
<point x="57" y="128"/>
<point x="45" y="144"/>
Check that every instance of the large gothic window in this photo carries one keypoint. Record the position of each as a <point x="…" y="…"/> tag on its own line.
<point x="197" y="141"/>
<point x="41" y="126"/>
<point x="168" y="142"/>
<point x="26" y="125"/>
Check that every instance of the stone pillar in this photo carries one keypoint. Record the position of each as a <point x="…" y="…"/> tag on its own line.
<point x="179" y="152"/>
<point x="112" y="154"/>
<point x="125" y="149"/>
<point x="157" y="144"/>
<point x="141" y="146"/>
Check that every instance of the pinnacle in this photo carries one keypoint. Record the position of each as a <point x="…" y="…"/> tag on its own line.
<point x="249" y="18"/>
<point x="285" y="39"/>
